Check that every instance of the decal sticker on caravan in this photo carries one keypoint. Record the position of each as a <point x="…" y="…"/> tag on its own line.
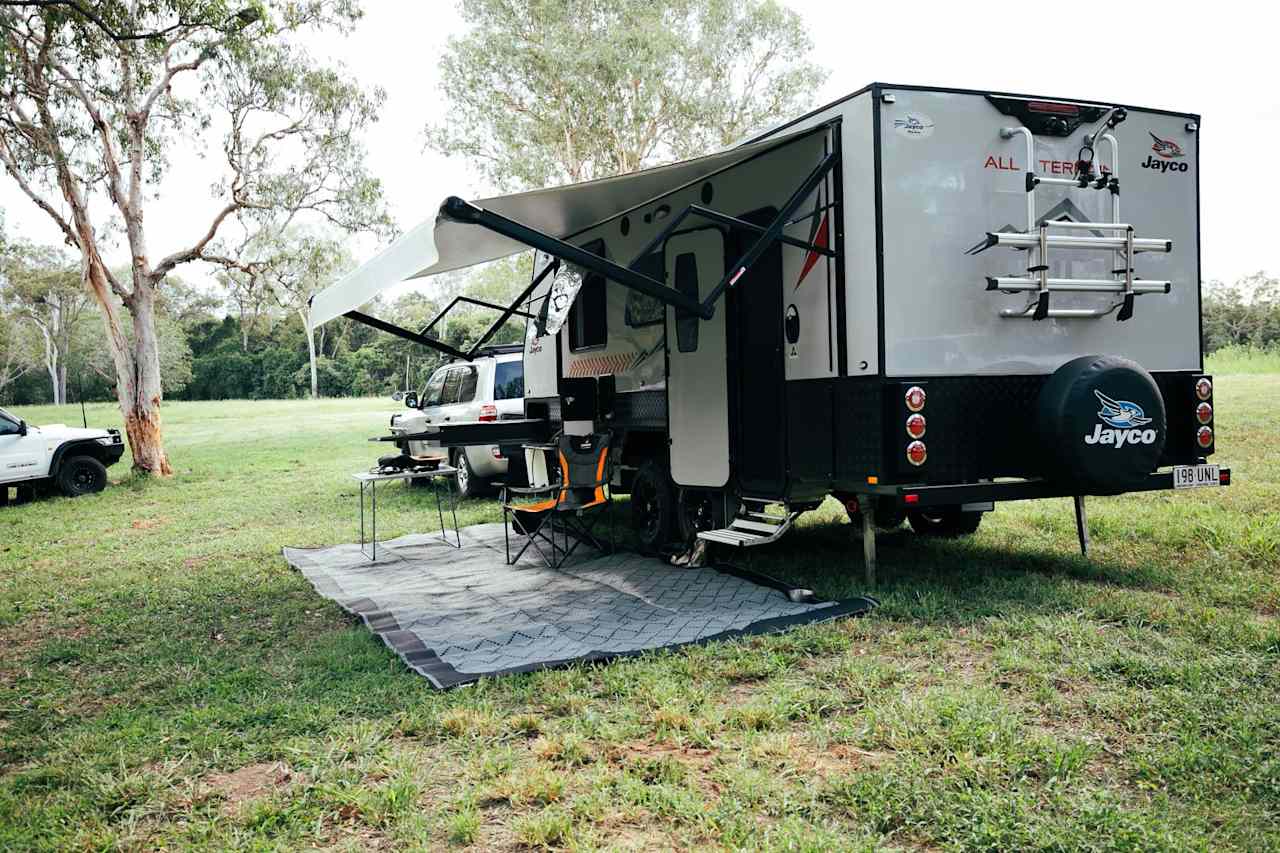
<point x="1125" y="419"/>
<point x="913" y="126"/>
<point x="1168" y="152"/>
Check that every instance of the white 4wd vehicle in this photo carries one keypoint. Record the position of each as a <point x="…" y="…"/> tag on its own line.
<point x="487" y="389"/>
<point x="74" y="459"/>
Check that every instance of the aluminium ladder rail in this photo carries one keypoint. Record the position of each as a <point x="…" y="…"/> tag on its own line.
<point x="1120" y="241"/>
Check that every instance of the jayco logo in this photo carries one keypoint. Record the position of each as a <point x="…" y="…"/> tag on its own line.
<point x="1167" y="151"/>
<point x="1126" y="421"/>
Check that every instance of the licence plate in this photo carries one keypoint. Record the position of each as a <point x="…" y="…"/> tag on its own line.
<point x="1195" y="476"/>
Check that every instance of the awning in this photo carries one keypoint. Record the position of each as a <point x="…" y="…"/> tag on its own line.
<point x="440" y="245"/>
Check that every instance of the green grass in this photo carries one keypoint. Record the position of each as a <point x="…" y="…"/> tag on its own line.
<point x="166" y="681"/>
<point x="1244" y="359"/>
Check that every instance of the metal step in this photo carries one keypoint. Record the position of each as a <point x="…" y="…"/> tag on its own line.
<point x="744" y="532"/>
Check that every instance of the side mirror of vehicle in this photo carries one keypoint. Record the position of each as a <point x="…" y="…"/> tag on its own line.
<point x="22" y="428"/>
<point x="411" y="400"/>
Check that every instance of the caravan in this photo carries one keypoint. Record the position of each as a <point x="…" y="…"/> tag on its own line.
<point x="922" y="301"/>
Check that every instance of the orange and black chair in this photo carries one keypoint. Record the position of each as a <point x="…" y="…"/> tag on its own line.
<point x="557" y="518"/>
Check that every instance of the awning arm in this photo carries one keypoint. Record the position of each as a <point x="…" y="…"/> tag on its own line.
<point x="458" y="210"/>
<point x="774" y="231"/>
<point x="472" y="301"/>
<point x="512" y="308"/>
<point x="392" y="329"/>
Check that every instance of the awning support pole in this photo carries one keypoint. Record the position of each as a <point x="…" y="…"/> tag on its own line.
<point x="511" y="309"/>
<point x="458" y="210"/>
<point x="772" y="233"/>
<point x="392" y="329"/>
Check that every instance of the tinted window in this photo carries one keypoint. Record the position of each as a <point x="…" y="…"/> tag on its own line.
<point x="508" y="380"/>
<point x="431" y="394"/>
<point x="468" y="392"/>
<point x="588" y="322"/>
<point x="452" y="385"/>
<point x="687" y="283"/>
<point x="644" y="310"/>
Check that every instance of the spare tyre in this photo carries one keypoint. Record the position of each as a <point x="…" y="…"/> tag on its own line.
<point x="1102" y="423"/>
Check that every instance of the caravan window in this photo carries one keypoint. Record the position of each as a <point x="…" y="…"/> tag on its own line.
<point x="644" y="310"/>
<point x="588" y="318"/>
<point x="687" y="284"/>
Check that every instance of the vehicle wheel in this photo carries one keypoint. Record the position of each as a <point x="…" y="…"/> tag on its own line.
<point x="944" y="521"/>
<point x="652" y="506"/>
<point x="81" y="475"/>
<point x="470" y="484"/>
<point x="700" y="509"/>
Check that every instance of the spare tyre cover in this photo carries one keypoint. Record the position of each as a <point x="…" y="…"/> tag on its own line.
<point x="1102" y="421"/>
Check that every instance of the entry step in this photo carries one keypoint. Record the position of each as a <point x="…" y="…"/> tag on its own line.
<point x="752" y="526"/>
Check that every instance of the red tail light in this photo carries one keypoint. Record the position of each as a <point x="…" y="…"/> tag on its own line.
<point x="1204" y="413"/>
<point x="1204" y="437"/>
<point x="916" y="426"/>
<point x="917" y="453"/>
<point x="488" y="412"/>
<point x="1204" y="388"/>
<point x="915" y="398"/>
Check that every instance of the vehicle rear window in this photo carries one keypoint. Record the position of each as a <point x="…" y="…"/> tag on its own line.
<point x="508" y="380"/>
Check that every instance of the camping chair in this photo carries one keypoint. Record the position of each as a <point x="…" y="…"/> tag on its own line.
<point x="569" y="510"/>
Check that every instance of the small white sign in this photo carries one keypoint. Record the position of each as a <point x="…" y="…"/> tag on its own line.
<point x="1195" y="476"/>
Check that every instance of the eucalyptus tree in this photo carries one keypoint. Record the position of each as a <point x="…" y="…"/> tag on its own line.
<point x="43" y="292"/>
<point x="545" y="91"/>
<point x="96" y="97"/>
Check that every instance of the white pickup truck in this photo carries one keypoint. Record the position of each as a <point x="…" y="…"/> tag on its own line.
<point x="73" y="459"/>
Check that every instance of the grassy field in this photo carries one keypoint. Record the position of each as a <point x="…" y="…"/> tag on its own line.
<point x="167" y="681"/>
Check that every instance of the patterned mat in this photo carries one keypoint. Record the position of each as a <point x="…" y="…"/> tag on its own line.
<point x="456" y="615"/>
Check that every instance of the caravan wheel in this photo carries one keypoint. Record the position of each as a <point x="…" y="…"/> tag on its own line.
<point x="944" y="521"/>
<point x="701" y="509"/>
<point x="652" y="507"/>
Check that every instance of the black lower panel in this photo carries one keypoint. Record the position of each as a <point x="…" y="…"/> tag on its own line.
<point x="810" y="438"/>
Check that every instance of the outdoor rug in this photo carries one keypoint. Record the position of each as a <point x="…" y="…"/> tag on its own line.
<point x="457" y="615"/>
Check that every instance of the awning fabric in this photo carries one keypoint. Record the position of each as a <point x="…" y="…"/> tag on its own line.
<point x="439" y="245"/>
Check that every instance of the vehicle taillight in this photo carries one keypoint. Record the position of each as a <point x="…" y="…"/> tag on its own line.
<point x="1204" y="388"/>
<point x="916" y="426"/>
<point x="1054" y="108"/>
<point x="488" y="412"/>
<point x="915" y="397"/>
<point x="1204" y="413"/>
<point x="917" y="453"/>
<point x="1204" y="437"/>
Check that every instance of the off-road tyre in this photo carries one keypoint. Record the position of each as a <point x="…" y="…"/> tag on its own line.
<point x="81" y="475"/>
<point x="653" y="507"/>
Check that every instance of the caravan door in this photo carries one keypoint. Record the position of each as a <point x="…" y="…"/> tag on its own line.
<point x="697" y="371"/>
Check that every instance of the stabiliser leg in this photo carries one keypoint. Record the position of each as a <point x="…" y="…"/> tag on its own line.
<point x="866" y="508"/>
<point x="1082" y="525"/>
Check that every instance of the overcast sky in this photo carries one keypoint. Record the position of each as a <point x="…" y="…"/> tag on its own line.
<point x="1219" y="63"/>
